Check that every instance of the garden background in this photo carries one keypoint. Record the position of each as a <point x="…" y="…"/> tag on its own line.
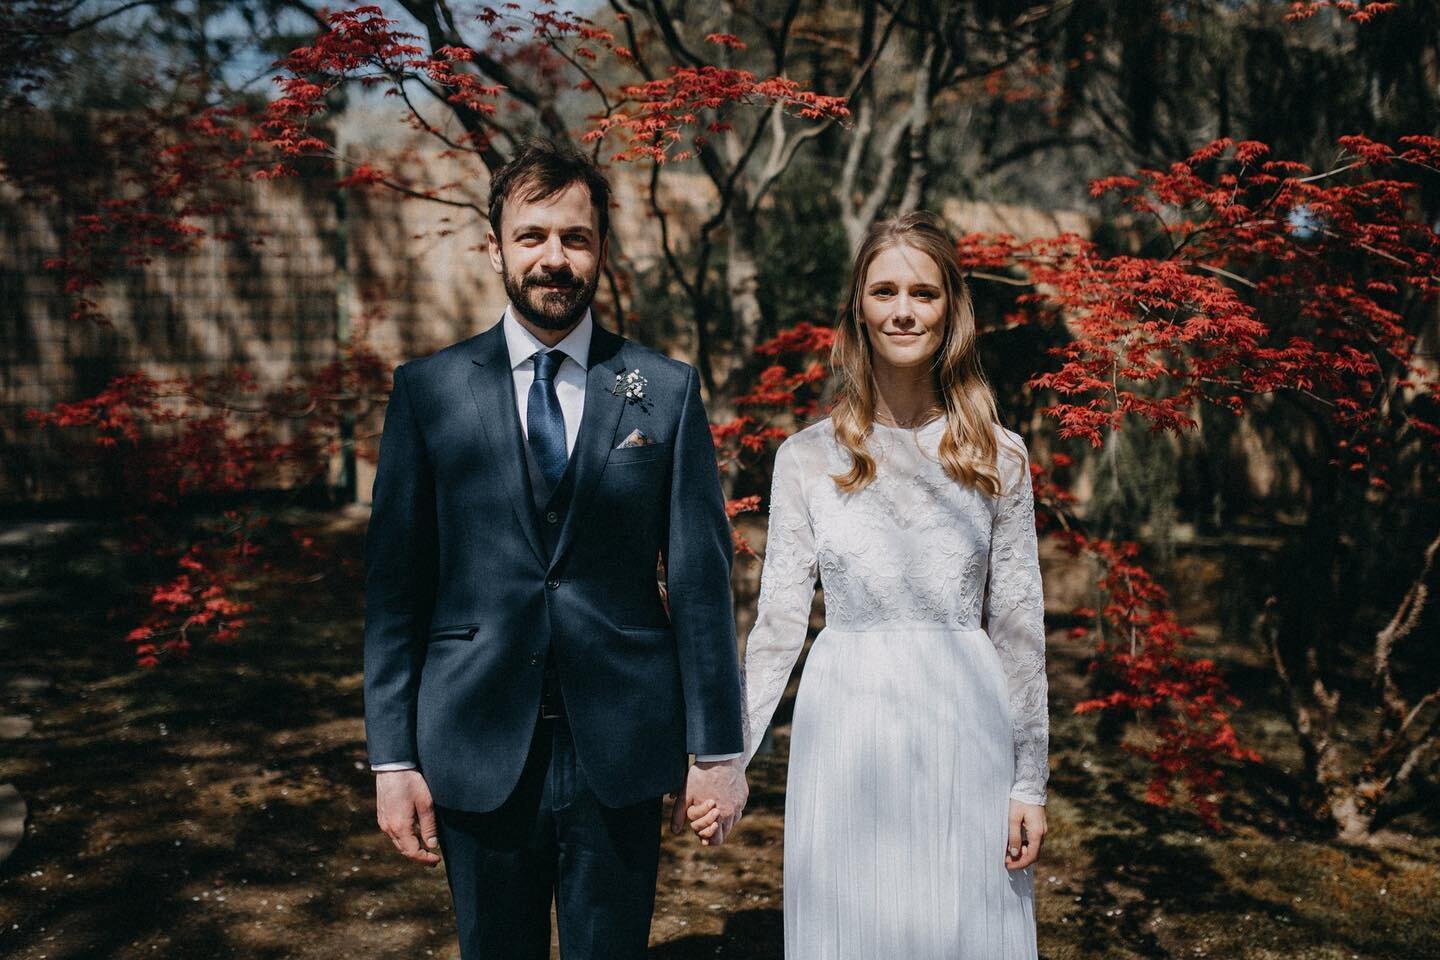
<point x="1202" y="240"/>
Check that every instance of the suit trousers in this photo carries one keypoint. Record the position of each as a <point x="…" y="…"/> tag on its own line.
<point x="552" y="839"/>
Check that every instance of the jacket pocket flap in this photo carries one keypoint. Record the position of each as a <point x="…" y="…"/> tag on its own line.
<point x="455" y="631"/>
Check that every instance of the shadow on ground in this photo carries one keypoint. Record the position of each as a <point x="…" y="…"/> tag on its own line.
<point x="221" y="807"/>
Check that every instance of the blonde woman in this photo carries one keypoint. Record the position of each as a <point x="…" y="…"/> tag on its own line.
<point x="918" y="752"/>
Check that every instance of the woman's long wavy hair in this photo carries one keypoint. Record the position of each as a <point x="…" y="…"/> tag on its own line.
<point x="968" y="449"/>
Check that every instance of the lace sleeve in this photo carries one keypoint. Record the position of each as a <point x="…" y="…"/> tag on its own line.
<point x="1015" y="613"/>
<point x="787" y="589"/>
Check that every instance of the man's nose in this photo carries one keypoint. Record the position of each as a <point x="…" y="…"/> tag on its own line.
<point x="552" y="255"/>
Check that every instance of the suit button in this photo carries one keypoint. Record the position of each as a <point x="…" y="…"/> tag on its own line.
<point x="534" y="661"/>
<point x="553" y="584"/>
<point x="552" y="517"/>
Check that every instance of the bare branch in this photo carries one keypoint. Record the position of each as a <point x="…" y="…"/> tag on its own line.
<point x="444" y="35"/>
<point x="430" y="128"/>
<point x="919" y="124"/>
<point x="662" y="19"/>
<point x="695" y="291"/>
<point x="785" y="154"/>
<point x="1417" y="757"/>
<point x="782" y="38"/>
<point x="1401" y="625"/>
<point x="629" y="20"/>
<point x="998" y="278"/>
<point x="100" y="18"/>
<point x="1228" y="275"/>
<point x="1021" y="151"/>
<point x="858" y="218"/>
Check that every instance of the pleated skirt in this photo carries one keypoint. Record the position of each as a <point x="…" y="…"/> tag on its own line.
<point x="901" y="762"/>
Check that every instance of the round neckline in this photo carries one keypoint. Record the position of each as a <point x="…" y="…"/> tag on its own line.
<point x="899" y="429"/>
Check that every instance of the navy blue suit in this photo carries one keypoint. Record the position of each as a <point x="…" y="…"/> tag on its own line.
<point x="471" y="585"/>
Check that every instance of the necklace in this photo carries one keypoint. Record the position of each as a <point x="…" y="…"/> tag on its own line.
<point x="927" y="417"/>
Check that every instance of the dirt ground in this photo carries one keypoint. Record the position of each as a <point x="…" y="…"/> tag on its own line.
<point x="222" y="807"/>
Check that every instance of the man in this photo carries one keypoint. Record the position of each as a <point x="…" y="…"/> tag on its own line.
<point x="528" y="698"/>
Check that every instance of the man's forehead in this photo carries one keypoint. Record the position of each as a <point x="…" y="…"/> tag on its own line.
<point x="569" y="206"/>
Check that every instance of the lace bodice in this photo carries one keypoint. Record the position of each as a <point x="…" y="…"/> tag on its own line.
<point x="913" y="550"/>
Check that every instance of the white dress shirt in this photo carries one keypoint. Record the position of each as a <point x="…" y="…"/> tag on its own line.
<point x="569" y="381"/>
<point x="569" y="390"/>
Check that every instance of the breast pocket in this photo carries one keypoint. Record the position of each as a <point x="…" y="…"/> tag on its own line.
<point x="643" y="454"/>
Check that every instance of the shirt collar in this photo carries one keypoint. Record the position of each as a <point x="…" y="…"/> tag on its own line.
<point x="523" y="344"/>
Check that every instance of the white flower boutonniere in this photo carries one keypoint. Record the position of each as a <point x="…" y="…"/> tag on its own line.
<point x="630" y="385"/>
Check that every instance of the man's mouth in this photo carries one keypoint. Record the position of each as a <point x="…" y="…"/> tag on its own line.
<point x="553" y="284"/>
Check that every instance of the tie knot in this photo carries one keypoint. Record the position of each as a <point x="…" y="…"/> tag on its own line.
<point x="547" y="362"/>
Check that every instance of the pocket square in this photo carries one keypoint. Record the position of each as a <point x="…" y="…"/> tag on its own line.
<point x="636" y="438"/>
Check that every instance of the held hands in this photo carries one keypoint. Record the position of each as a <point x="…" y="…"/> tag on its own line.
<point x="715" y="796"/>
<point x="402" y="798"/>
<point x="1027" y="833"/>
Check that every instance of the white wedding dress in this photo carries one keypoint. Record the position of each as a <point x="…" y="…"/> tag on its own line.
<point x="913" y="725"/>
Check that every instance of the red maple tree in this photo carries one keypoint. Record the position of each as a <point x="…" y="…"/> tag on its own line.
<point x="1272" y="279"/>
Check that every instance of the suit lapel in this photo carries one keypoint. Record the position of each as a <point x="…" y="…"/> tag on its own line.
<point x="492" y="385"/>
<point x="598" y="426"/>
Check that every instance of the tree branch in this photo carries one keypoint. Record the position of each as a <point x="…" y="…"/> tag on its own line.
<point x="662" y="19"/>
<point x="1401" y="625"/>
<point x="99" y="18"/>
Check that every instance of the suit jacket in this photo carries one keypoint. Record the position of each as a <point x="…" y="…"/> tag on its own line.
<point x="469" y="584"/>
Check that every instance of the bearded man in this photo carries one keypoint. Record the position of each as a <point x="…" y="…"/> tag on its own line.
<point x="529" y="697"/>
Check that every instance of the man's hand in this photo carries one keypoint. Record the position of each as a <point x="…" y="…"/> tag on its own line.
<point x="715" y="795"/>
<point x="402" y="798"/>
<point x="1027" y="833"/>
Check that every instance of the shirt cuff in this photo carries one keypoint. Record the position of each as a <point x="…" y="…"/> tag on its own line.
<point x="387" y="767"/>
<point x="716" y="757"/>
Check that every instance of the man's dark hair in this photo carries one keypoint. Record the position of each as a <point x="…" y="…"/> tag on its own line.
<point x="542" y="168"/>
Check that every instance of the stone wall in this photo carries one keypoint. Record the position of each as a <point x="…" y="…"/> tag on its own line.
<point x="416" y="277"/>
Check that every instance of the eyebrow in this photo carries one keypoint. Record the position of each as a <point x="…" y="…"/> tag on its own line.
<point x="895" y="283"/>
<point x="573" y="228"/>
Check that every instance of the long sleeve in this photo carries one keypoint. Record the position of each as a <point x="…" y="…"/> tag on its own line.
<point x="787" y="590"/>
<point x="1015" y="613"/>
<point x="698" y="558"/>
<point x="400" y="550"/>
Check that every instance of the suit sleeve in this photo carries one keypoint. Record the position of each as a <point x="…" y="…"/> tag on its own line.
<point x="698" y="558"/>
<point x="400" y="552"/>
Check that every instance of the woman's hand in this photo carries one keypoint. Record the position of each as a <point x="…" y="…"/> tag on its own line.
<point x="1027" y="833"/>
<point x="704" y="820"/>
<point x="715" y="797"/>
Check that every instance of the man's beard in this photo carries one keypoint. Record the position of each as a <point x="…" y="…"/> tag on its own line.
<point x="551" y="309"/>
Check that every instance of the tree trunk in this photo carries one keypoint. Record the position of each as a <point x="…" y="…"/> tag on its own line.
<point x="918" y="159"/>
<point x="742" y="285"/>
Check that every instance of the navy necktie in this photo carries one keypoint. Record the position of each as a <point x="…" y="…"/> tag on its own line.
<point x="544" y="421"/>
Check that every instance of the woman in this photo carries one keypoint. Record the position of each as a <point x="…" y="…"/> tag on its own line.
<point x="918" y="766"/>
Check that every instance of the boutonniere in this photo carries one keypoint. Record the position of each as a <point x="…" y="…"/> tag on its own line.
<point x="630" y="385"/>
